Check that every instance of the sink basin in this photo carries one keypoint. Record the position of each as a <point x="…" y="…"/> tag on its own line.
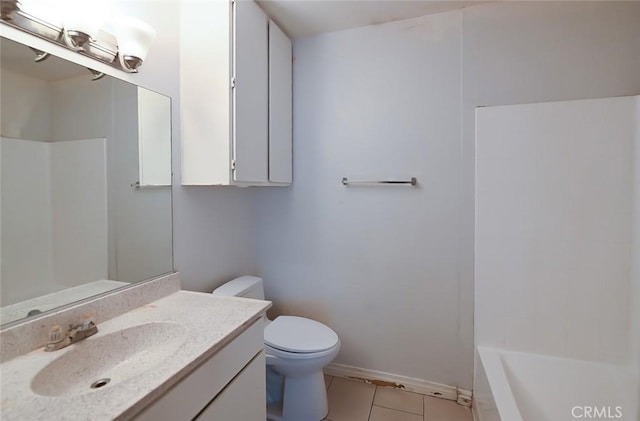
<point x="99" y="362"/>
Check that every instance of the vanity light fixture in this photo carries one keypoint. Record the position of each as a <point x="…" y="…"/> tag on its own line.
<point x="76" y="38"/>
<point x="34" y="16"/>
<point x="134" y="39"/>
<point x="82" y="21"/>
<point x="96" y="75"/>
<point x="40" y="55"/>
<point x="8" y="9"/>
<point x="80" y="28"/>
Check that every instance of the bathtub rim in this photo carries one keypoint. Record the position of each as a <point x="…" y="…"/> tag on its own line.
<point x="499" y="383"/>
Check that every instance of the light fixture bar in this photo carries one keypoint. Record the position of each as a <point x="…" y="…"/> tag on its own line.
<point x="34" y="25"/>
<point x="104" y="51"/>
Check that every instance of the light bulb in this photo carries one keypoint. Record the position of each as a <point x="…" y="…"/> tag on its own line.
<point x="134" y="37"/>
<point x="85" y="16"/>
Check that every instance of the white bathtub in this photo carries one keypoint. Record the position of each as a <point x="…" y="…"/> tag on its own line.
<point x="532" y="387"/>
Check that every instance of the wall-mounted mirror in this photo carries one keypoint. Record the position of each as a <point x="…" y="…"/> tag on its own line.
<point x="85" y="173"/>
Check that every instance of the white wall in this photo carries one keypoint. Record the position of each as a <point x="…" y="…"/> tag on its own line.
<point x="319" y="243"/>
<point x="377" y="264"/>
<point x="28" y="116"/>
<point x="82" y="109"/>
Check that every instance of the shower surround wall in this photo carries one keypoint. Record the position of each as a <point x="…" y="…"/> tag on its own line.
<point x="635" y="265"/>
<point x="557" y="233"/>
<point x="554" y="188"/>
<point x="50" y="243"/>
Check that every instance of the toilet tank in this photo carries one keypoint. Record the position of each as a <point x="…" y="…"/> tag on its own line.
<point x="244" y="286"/>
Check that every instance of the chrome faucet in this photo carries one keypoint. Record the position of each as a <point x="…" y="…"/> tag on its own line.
<point x="77" y="332"/>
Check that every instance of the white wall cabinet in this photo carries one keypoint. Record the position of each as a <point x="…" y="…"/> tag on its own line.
<point x="230" y="385"/>
<point x="235" y="85"/>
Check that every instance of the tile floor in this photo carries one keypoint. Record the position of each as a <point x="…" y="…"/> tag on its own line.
<point x="351" y="400"/>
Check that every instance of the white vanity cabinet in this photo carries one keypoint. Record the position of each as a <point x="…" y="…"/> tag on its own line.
<point x="228" y="386"/>
<point x="235" y="82"/>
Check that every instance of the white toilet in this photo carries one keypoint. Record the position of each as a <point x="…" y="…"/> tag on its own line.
<point x="296" y="349"/>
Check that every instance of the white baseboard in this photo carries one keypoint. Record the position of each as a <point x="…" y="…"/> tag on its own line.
<point x="380" y="378"/>
<point x="464" y="397"/>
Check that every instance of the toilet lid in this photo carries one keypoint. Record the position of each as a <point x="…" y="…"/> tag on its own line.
<point x="298" y="334"/>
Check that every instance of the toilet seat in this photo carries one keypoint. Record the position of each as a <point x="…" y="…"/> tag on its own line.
<point x="299" y="335"/>
<point x="297" y="356"/>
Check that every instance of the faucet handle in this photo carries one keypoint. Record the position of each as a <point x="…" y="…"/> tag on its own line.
<point x="88" y="320"/>
<point x="57" y="339"/>
<point x="84" y="324"/>
<point x="55" y="334"/>
<point x="85" y="329"/>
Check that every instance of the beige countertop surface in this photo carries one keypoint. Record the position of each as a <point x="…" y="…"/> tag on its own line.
<point x="206" y="323"/>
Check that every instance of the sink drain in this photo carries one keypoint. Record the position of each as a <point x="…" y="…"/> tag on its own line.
<point x="99" y="383"/>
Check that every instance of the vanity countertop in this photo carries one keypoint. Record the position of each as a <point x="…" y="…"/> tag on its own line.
<point x="56" y="299"/>
<point x="210" y="323"/>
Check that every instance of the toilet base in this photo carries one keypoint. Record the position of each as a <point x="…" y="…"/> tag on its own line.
<point x="305" y="399"/>
<point x="274" y="411"/>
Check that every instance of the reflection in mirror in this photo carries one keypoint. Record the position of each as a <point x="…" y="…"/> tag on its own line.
<point x="154" y="138"/>
<point x="85" y="173"/>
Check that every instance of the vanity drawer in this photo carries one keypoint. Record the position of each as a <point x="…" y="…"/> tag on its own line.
<point x="243" y="398"/>
<point x="191" y="395"/>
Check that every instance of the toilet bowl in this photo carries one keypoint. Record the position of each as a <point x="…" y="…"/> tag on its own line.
<point x="297" y="349"/>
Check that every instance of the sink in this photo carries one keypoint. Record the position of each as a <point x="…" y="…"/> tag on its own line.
<point x="102" y="361"/>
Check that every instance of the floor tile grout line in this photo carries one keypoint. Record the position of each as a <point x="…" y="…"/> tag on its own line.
<point x="372" y="401"/>
<point x="423" y="415"/>
<point x="399" y="410"/>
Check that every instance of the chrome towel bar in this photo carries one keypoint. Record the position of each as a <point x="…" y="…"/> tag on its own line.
<point x="413" y="181"/>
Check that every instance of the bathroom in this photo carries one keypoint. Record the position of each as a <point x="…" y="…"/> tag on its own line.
<point x="390" y="91"/>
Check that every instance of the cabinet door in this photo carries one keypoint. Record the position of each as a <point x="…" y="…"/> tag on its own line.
<point x="280" y="144"/>
<point x="244" y="399"/>
<point x="205" y="93"/>
<point x="250" y="94"/>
